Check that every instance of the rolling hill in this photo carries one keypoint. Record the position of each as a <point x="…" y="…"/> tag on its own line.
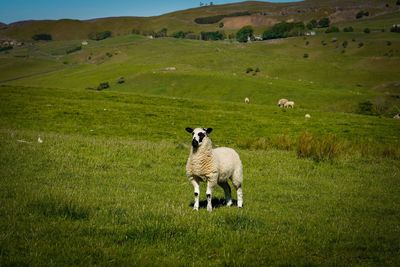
<point x="234" y="16"/>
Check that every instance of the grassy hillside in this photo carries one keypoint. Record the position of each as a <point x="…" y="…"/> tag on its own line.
<point x="261" y="15"/>
<point x="106" y="184"/>
<point x="217" y="70"/>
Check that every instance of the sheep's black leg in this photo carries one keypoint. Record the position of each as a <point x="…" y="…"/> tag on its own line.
<point x="227" y="190"/>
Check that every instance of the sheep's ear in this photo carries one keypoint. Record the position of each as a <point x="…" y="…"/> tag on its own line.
<point x="189" y="130"/>
<point x="208" y="130"/>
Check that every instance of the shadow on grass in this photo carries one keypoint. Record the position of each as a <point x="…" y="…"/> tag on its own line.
<point x="216" y="203"/>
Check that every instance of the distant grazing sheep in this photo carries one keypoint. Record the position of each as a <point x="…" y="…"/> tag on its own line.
<point x="214" y="166"/>
<point x="307" y="116"/>
<point x="282" y="102"/>
<point x="289" y="104"/>
<point x="397" y="116"/>
<point x="247" y="100"/>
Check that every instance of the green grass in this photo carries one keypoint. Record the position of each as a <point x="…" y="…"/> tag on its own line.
<point x="107" y="186"/>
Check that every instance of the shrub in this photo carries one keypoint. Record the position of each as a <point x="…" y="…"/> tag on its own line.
<point x="388" y="43"/>
<point x="312" y="24"/>
<point x="366" y="108"/>
<point x="97" y="36"/>
<point x="221" y="25"/>
<point x="332" y="29"/>
<point x="283" y="30"/>
<point x="161" y="33"/>
<point x="324" y="23"/>
<point x="361" y="14"/>
<point x="5" y="48"/>
<point x="212" y="36"/>
<point x="348" y="29"/>
<point x="360" y="44"/>
<point x="73" y="49"/>
<point x="305" y="55"/>
<point x="42" y="37"/>
<point x="102" y="86"/>
<point x="244" y="34"/>
<point x="344" y="44"/>
<point x="367" y="30"/>
<point x="179" y="34"/>
<point x="249" y="69"/>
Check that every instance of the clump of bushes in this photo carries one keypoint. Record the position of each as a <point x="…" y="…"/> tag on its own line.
<point x="312" y="24"/>
<point x="97" y="36"/>
<point x="324" y="23"/>
<point x="102" y="86"/>
<point x="322" y="148"/>
<point x="161" y="33"/>
<point x="305" y="55"/>
<point x="367" y="30"/>
<point x="284" y="30"/>
<point x="42" y="37"/>
<point x="348" y="29"/>
<point x="5" y="48"/>
<point x="361" y="14"/>
<point x="244" y="34"/>
<point x="332" y="29"/>
<point x="73" y="49"/>
<point x="360" y="44"/>
<point x="213" y="36"/>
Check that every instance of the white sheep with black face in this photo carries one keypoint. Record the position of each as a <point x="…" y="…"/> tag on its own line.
<point x="214" y="166"/>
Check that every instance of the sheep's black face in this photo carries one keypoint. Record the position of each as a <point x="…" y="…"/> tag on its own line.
<point x="198" y="135"/>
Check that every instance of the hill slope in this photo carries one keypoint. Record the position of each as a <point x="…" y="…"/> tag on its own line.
<point x="259" y="14"/>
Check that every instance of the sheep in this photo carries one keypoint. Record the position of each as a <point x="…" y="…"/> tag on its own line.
<point x="282" y="102"/>
<point x="247" y="100"/>
<point x="397" y="116"/>
<point x="289" y="104"/>
<point x="214" y="166"/>
<point x="307" y="116"/>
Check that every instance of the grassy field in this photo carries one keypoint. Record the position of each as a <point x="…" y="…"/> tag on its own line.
<point x="107" y="185"/>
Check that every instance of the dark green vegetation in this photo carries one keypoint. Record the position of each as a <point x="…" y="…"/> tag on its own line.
<point x="106" y="183"/>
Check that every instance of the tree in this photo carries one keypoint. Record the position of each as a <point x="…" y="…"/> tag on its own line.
<point x="312" y="24"/>
<point x="42" y="36"/>
<point x="324" y="23"/>
<point x="283" y="30"/>
<point x="99" y="35"/>
<point x="244" y="33"/>
<point x="161" y="33"/>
